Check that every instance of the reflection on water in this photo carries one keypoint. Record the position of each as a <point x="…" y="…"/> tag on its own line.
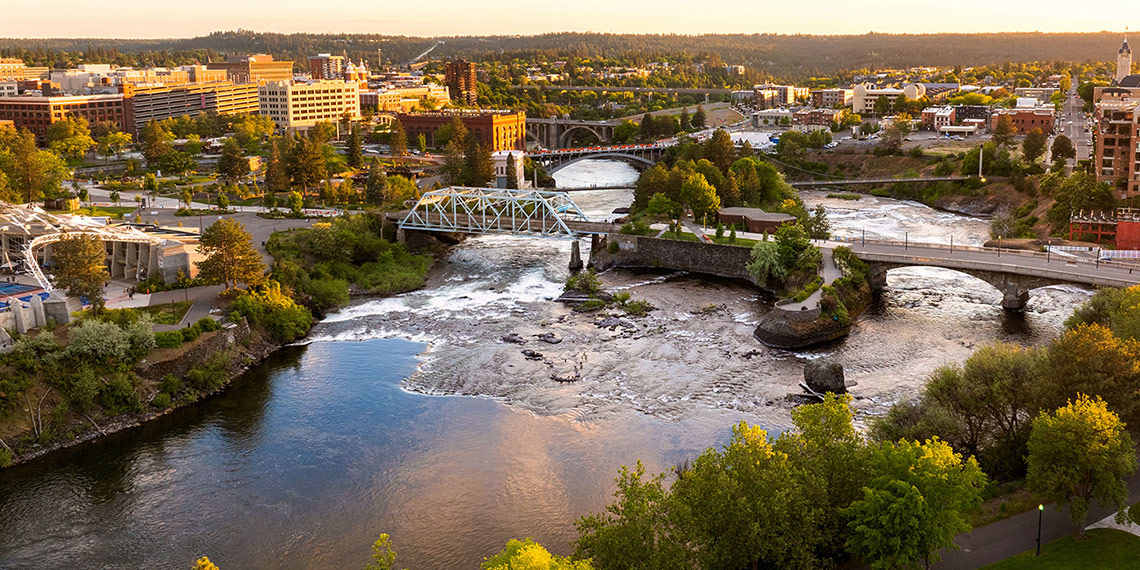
<point x="309" y="457"/>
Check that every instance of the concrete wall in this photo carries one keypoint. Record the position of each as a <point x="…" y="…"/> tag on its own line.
<point x="695" y="257"/>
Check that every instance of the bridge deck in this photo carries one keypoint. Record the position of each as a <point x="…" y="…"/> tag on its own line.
<point x="533" y="228"/>
<point x="822" y="183"/>
<point x="1017" y="262"/>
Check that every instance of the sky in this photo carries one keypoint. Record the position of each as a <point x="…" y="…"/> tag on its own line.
<point x="188" y="18"/>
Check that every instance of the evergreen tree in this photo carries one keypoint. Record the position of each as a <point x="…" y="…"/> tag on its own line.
<point x="307" y="164"/>
<point x="276" y="177"/>
<point x="512" y="172"/>
<point x="1034" y="145"/>
<point x="454" y="163"/>
<point x="399" y="142"/>
<point x="480" y="166"/>
<point x="648" y="128"/>
<point x="229" y="254"/>
<point x="232" y="164"/>
<point x="354" y="148"/>
<point x="686" y="124"/>
<point x="699" y="118"/>
<point x="377" y="186"/>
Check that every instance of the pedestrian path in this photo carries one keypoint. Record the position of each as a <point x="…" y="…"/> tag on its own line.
<point x="831" y="272"/>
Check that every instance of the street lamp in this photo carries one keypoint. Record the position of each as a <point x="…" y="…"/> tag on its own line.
<point x="1040" y="513"/>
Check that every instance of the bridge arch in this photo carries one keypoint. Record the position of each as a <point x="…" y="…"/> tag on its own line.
<point x="630" y="158"/>
<point x="564" y="138"/>
<point x="1014" y="287"/>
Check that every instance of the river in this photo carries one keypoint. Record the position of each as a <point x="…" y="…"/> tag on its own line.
<point x="408" y="416"/>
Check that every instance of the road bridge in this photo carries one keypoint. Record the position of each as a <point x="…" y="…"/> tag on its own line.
<point x="642" y="155"/>
<point x="1013" y="272"/>
<point x="873" y="181"/>
<point x="556" y="132"/>
<point x="619" y="89"/>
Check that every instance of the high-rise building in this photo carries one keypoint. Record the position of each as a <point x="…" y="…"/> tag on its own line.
<point x="1123" y="61"/>
<point x="298" y="106"/>
<point x="254" y="68"/>
<point x="460" y="79"/>
<point x="326" y="66"/>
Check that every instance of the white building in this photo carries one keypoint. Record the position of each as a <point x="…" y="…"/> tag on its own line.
<point x="298" y="106"/>
<point x="771" y="117"/>
<point x="8" y="89"/>
<point x="1123" y="61"/>
<point x="501" y="160"/>
<point x="864" y="96"/>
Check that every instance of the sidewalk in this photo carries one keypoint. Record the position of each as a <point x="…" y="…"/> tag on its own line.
<point x="202" y="297"/>
<point x="830" y="274"/>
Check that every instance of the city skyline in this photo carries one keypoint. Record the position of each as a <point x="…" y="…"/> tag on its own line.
<point x="138" y="18"/>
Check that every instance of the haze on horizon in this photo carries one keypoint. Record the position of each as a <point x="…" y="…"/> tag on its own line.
<point x="164" y="19"/>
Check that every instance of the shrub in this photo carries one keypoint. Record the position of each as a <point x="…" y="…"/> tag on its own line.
<point x="98" y="341"/>
<point x="638" y="308"/>
<point x="117" y="395"/>
<point x="170" y="384"/>
<point x="273" y="311"/>
<point x="209" y="375"/>
<point x="5" y="457"/>
<point x="612" y="247"/>
<point x="190" y="334"/>
<point x="593" y="305"/>
<point x="161" y="401"/>
<point x="168" y="339"/>
<point x="637" y="228"/>
<point x="585" y="281"/>
<point x="206" y="324"/>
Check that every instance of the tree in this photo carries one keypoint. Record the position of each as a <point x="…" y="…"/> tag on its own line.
<point x="648" y="127"/>
<point x="747" y="506"/>
<point x="817" y="225"/>
<point x="187" y="197"/>
<point x="115" y="197"/>
<point x="155" y="142"/>
<point x="223" y="201"/>
<point x="635" y="531"/>
<point x="177" y="162"/>
<point x="204" y="563"/>
<point x="70" y="137"/>
<point x="480" y="167"/>
<point x="400" y="190"/>
<point x="512" y="172"/>
<point x="914" y="505"/>
<point x="269" y="200"/>
<point x="454" y="167"/>
<point x="1080" y="453"/>
<point x="354" y="148"/>
<point x="232" y="164"/>
<point x="700" y="196"/>
<point x="1034" y="145"/>
<point x="882" y="106"/>
<point x="1004" y="131"/>
<point x="229" y="254"/>
<point x="276" y="175"/>
<point x="307" y="163"/>
<point x="31" y="174"/>
<point x="113" y="143"/>
<point x="376" y="189"/>
<point x="765" y="263"/>
<point x="1063" y="148"/>
<point x="296" y="204"/>
<point x="529" y="555"/>
<point x="399" y="144"/>
<point x="383" y="556"/>
<point x="421" y="143"/>
<point x="699" y="118"/>
<point x="719" y="150"/>
<point x="81" y="268"/>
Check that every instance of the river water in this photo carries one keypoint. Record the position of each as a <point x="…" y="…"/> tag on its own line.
<point x="407" y="416"/>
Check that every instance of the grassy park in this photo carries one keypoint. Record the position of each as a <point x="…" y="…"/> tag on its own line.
<point x="1104" y="549"/>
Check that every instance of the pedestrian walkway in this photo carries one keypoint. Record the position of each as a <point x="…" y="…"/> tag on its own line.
<point x="831" y="272"/>
<point x="202" y="297"/>
<point x="1110" y="522"/>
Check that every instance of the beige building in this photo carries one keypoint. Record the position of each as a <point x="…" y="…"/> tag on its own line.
<point x="298" y="106"/>
<point x="15" y="70"/>
<point x="864" y="95"/>
<point x="144" y="104"/>
<point x="404" y="99"/>
<point x="1123" y="61"/>
<point x="254" y="68"/>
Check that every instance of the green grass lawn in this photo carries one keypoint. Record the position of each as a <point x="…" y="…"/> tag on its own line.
<point x="170" y="314"/>
<point x="739" y="241"/>
<point x="683" y="236"/>
<point x="1104" y="549"/>
<point x="113" y="212"/>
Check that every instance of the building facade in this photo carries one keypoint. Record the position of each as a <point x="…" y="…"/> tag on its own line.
<point x="865" y="95"/>
<point x="461" y="80"/>
<point x="1025" y="119"/>
<point x="15" y="70"/>
<point x="144" y="104"/>
<point x="404" y="99"/>
<point x="1123" y="61"/>
<point x="1116" y="156"/>
<point x="298" y="106"/>
<point x="831" y="98"/>
<point x="496" y="130"/>
<point x="326" y="66"/>
<point x="254" y="68"/>
<point x="37" y="112"/>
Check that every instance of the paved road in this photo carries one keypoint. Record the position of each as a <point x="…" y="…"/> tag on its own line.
<point x="203" y="298"/>
<point x="1072" y="123"/>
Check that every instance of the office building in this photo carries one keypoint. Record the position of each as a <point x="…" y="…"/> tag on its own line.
<point x="37" y="112"/>
<point x="15" y="70"/>
<point x="254" y="68"/>
<point x="831" y="98"/>
<point x="1116" y="159"/>
<point x="496" y="130"/>
<point x="404" y="99"/>
<point x="327" y="66"/>
<point x="461" y="80"/>
<point x="768" y="96"/>
<point x="298" y="106"/>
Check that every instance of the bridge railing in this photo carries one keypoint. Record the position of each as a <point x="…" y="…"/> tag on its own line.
<point x="1093" y="278"/>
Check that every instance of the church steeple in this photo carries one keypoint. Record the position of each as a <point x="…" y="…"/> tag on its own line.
<point x="1123" y="61"/>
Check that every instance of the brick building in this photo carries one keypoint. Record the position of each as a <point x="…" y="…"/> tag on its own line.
<point x="37" y="112"/>
<point x="829" y="98"/>
<point x="326" y="66"/>
<point x="496" y="130"/>
<point x="461" y="80"/>
<point x="1026" y="119"/>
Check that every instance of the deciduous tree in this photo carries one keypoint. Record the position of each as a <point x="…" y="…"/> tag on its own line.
<point x="1080" y="453"/>
<point x="81" y="268"/>
<point x="1004" y="131"/>
<point x="232" y="164"/>
<point x="1034" y="145"/>
<point x="70" y="137"/>
<point x="700" y="196"/>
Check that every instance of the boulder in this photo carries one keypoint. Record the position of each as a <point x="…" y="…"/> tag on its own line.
<point x="825" y="376"/>
<point x="514" y="338"/>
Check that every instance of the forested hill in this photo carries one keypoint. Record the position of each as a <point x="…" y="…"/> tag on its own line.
<point x="789" y="56"/>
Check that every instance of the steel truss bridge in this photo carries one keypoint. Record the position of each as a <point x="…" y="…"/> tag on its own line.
<point x="535" y="213"/>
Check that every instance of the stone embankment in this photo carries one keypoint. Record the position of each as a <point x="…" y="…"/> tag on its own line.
<point x="777" y="328"/>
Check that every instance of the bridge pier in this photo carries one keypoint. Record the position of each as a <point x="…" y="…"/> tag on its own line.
<point x="1014" y="300"/>
<point x="576" y="264"/>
